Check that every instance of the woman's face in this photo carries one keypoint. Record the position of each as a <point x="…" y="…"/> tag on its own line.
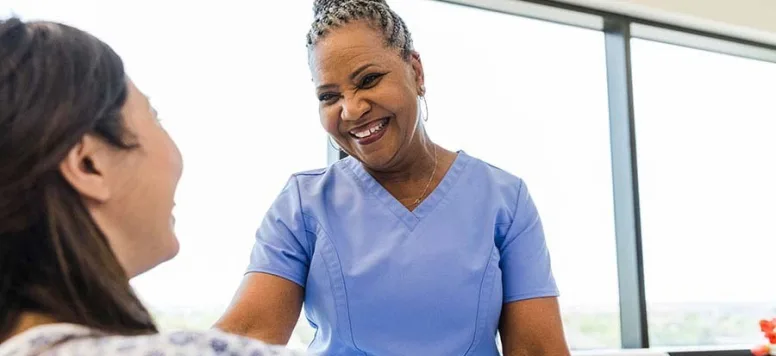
<point x="130" y="192"/>
<point x="368" y="94"/>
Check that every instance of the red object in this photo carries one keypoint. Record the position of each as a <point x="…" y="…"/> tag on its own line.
<point x="761" y="351"/>
<point x="767" y="325"/>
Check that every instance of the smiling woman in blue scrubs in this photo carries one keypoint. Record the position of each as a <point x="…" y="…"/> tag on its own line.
<point x="403" y="248"/>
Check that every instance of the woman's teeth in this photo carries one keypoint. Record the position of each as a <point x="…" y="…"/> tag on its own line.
<point x="377" y="126"/>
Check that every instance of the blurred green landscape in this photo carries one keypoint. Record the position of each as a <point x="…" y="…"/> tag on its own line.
<point x="671" y="325"/>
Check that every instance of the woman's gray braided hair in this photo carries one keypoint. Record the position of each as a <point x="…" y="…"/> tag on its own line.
<point x="330" y="14"/>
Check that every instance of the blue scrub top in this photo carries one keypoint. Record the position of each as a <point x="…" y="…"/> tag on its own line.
<point x="382" y="280"/>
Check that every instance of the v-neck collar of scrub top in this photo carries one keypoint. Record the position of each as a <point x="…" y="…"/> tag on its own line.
<point x="410" y="218"/>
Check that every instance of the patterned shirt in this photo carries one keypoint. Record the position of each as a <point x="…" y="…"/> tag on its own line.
<point x="69" y="339"/>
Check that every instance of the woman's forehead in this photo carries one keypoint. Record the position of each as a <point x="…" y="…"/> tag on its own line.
<point x="347" y="49"/>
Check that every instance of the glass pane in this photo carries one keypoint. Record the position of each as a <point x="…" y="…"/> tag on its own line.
<point x="530" y="97"/>
<point x="235" y="94"/>
<point x="525" y="95"/>
<point x="705" y="129"/>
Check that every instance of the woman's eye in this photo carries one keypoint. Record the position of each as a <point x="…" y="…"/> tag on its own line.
<point x="370" y="80"/>
<point x="327" y="97"/>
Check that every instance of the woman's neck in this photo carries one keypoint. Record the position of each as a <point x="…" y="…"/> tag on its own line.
<point x="418" y="163"/>
<point x="411" y="182"/>
<point x="27" y="321"/>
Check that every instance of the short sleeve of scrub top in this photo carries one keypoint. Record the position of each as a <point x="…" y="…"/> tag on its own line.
<point x="281" y="248"/>
<point x="382" y="280"/>
<point x="525" y="260"/>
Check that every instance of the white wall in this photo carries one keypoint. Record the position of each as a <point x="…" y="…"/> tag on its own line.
<point x="750" y="19"/>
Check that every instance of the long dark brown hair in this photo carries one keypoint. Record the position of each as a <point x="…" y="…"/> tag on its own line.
<point x="57" y="84"/>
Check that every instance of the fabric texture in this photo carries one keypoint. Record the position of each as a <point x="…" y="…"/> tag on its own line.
<point x="380" y="279"/>
<point x="69" y="339"/>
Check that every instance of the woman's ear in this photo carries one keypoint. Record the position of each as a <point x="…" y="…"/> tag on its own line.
<point x="417" y="68"/>
<point x="84" y="168"/>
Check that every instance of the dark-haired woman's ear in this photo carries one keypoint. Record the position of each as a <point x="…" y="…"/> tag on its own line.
<point x="84" y="168"/>
<point x="417" y="69"/>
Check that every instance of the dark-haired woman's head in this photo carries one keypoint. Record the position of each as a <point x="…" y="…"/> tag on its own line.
<point x="87" y="180"/>
<point x="368" y="80"/>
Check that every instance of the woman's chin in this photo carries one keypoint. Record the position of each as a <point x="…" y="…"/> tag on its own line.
<point x="378" y="159"/>
<point x="174" y="247"/>
<point x="175" y="244"/>
<point x="163" y="253"/>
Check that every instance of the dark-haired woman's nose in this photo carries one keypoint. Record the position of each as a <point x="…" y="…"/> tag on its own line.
<point x="354" y="107"/>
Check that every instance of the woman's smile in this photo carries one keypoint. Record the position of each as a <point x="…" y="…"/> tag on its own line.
<point x="371" y="132"/>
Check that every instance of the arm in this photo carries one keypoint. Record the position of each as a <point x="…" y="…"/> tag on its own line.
<point x="532" y="327"/>
<point x="267" y="305"/>
<point x="530" y="318"/>
<point x="265" y="308"/>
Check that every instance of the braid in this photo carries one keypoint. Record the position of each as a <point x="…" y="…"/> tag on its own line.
<point x="330" y="14"/>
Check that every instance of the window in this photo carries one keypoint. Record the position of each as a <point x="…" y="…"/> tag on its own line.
<point x="525" y="95"/>
<point x="232" y="86"/>
<point x="530" y="97"/>
<point x="236" y="96"/>
<point x="705" y="134"/>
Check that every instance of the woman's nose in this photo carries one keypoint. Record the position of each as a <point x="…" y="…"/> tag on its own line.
<point x="354" y="107"/>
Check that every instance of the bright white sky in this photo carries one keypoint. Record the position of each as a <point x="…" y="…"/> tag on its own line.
<point x="231" y="82"/>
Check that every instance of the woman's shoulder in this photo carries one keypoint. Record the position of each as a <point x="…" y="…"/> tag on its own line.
<point x="493" y="186"/>
<point x="210" y="342"/>
<point x="68" y="339"/>
<point x="488" y="173"/>
<point x="322" y="178"/>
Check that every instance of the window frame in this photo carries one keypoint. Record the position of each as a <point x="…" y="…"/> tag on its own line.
<point x="618" y="30"/>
